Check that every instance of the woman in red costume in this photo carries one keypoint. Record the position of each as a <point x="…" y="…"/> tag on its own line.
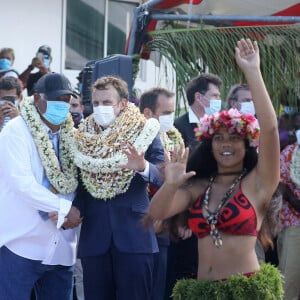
<point x="227" y="186"/>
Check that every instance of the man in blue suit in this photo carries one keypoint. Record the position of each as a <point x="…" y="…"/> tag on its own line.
<point x="118" y="150"/>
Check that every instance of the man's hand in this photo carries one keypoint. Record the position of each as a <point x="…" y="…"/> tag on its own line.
<point x="38" y="63"/>
<point x="184" y="232"/>
<point x="8" y="109"/>
<point x="72" y="219"/>
<point x="136" y="161"/>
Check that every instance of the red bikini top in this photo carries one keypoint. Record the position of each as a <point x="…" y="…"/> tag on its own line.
<point x="237" y="217"/>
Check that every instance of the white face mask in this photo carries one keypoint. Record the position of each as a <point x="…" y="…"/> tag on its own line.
<point x="214" y="106"/>
<point x="166" y="122"/>
<point x="247" y="108"/>
<point x="104" y="115"/>
<point x="298" y="136"/>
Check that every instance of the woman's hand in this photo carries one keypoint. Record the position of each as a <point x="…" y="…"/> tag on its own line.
<point x="247" y="55"/>
<point x="175" y="168"/>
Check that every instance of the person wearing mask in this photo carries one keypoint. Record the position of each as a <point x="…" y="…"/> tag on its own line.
<point x="38" y="183"/>
<point x="7" y="59"/>
<point x="41" y="61"/>
<point x="76" y="110"/>
<point x="10" y="99"/>
<point x="118" y="150"/>
<point x="204" y="97"/>
<point x="226" y="187"/>
<point x="159" y="103"/>
<point x="240" y="97"/>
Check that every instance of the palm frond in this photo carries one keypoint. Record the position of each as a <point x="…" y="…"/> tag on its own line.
<point x="192" y="51"/>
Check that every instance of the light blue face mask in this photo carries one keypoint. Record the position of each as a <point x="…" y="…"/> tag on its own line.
<point x="56" y="112"/>
<point x="214" y="106"/>
<point x="289" y="109"/>
<point x="4" y="63"/>
<point x="46" y="62"/>
<point x="247" y="108"/>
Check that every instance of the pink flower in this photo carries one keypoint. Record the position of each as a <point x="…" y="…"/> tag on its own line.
<point x="245" y="125"/>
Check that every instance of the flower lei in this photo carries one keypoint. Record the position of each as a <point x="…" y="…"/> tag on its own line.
<point x="61" y="175"/>
<point x="101" y="151"/>
<point x="170" y="139"/>
<point x="295" y="166"/>
<point x="245" y="125"/>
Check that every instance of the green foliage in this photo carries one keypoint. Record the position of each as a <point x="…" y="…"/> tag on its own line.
<point x="263" y="285"/>
<point x="192" y="51"/>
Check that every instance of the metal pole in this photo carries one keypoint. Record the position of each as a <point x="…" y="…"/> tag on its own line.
<point x="133" y="32"/>
<point x="151" y="3"/>
<point x="105" y="33"/>
<point x="136" y="12"/>
<point x="229" y="18"/>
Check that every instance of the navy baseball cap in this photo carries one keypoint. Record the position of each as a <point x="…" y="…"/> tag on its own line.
<point x="54" y="85"/>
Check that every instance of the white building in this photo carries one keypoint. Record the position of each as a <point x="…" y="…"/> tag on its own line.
<point x="76" y="30"/>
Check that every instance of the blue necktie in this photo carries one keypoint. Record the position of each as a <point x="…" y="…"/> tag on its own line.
<point x="54" y="141"/>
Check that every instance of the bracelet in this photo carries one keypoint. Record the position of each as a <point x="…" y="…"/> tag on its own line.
<point x="30" y="67"/>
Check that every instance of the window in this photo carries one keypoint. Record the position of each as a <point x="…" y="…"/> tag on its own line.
<point x="85" y="30"/>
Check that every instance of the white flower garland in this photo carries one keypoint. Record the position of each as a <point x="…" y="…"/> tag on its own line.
<point x="295" y="166"/>
<point x="170" y="140"/>
<point x="64" y="181"/>
<point x="99" y="154"/>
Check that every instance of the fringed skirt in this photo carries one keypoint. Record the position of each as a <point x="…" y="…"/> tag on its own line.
<point x="265" y="284"/>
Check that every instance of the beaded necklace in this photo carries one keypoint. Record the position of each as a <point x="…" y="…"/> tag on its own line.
<point x="212" y="217"/>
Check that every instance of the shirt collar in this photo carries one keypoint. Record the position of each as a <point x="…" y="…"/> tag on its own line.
<point x="48" y="129"/>
<point x="192" y="116"/>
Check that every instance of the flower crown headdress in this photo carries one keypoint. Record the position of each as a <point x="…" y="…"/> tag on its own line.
<point x="245" y="125"/>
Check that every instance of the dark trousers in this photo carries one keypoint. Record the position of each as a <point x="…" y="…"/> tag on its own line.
<point x="182" y="262"/>
<point x="19" y="275"/>
<point x="160" y="273"/>
<point x="118" y="276"/>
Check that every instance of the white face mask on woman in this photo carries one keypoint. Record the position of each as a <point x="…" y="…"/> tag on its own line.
<point x="214" y="106"/>
<point x="166" y="122"/>
<point x="247" y="108"/>
<point x="104" y="115"/>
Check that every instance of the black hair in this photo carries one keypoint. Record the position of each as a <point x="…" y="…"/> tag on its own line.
<point x="202" y="161"/>
<point x="9" y="83"/>
<point x="200" y="84"/>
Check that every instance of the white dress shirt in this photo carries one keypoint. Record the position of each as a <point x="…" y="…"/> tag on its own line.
<point x="22" y="195"/>
<point x="192" y="116"/>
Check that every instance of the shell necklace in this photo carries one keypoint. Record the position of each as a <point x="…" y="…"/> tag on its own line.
<point x="212" y="216"/>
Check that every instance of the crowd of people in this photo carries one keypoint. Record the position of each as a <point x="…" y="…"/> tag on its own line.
<point x="130" y="203"/>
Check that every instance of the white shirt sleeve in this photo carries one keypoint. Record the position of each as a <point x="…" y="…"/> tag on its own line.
<point x="22" y="171"/>
<point x="145" y="173"/>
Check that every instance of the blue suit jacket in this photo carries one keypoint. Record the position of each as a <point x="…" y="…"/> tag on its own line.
<point x="119" y="219"/>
